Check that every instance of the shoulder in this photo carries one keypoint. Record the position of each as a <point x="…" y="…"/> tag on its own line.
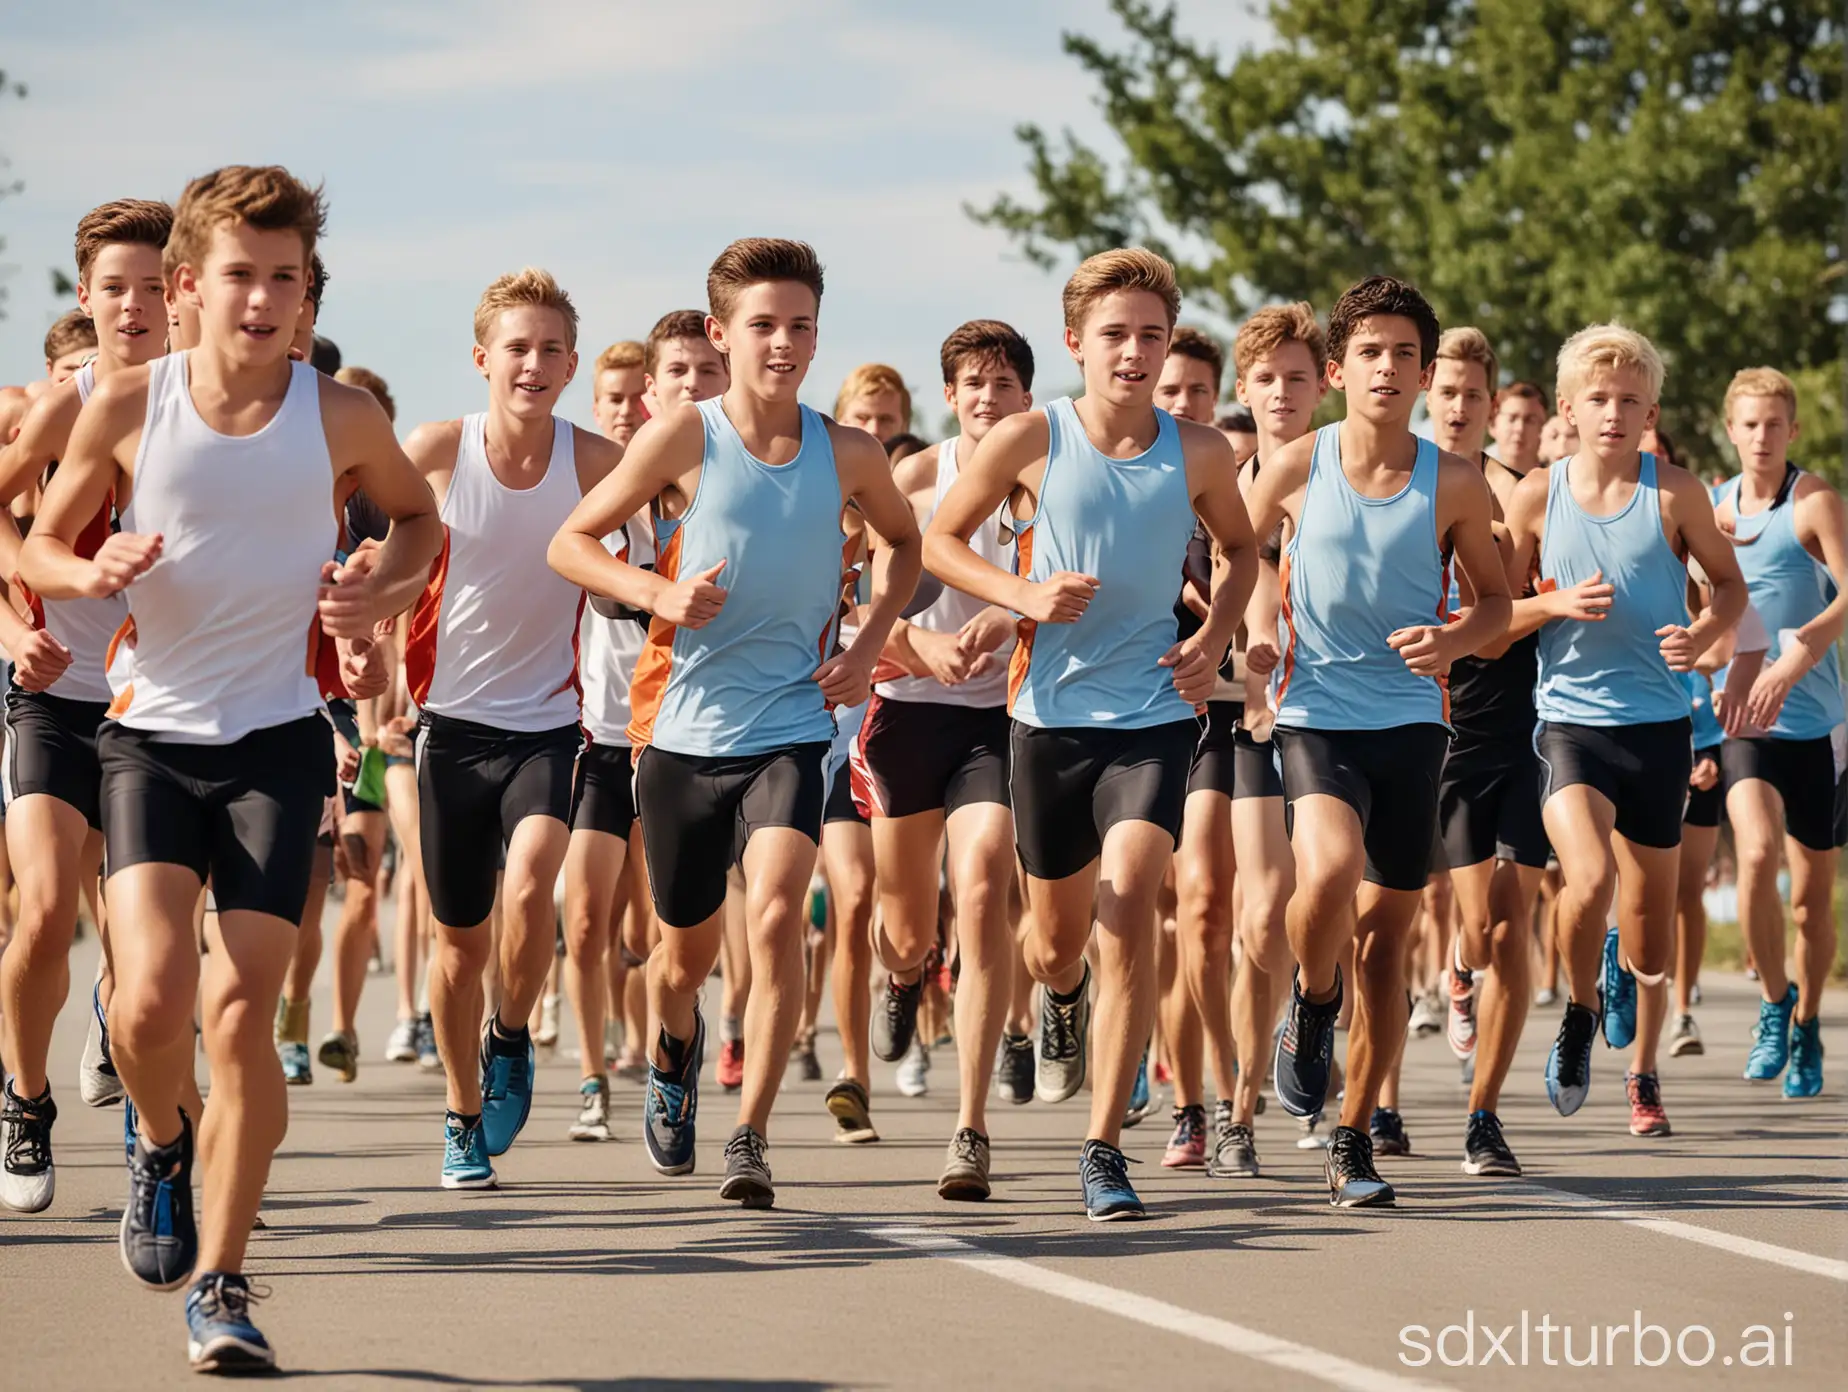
<point x="598" y="451"/>
<point x="1455" y="473"/>
<point x="916" y="472"/>
<point x="1811" y="486"/>
<point x="1682" y="487"/>
<point x="1287" y="468"/>
<point x="853" y="446"/>
<point x="344" y="405"/>
<point x="54" y="411"/>
<point x="124" y="392"/>
<point x="434" y="444"/>
<point x="1024" y="435"/>
<point x="1204" y="443"/>
<point x="1529" y="495"/>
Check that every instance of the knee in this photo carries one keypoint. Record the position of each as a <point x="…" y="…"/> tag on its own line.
<point x="678" y="971"/>
<point x="461" y="951"/>
<point x="1204" y="901"/>
<point x="149" y="1015"/>
<point x="1507" y="943"/>
<point x="236" y="1025"/>
<point x="1758" y="858"/>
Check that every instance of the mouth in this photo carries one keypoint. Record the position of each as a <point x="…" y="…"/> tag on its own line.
<point x="782" y="369"/>
<point x="1129" y="375"/>
<point x="530" y="388"/>
<point x="1384" y="391"/>
<point x="131" y="330"/>
<point x="261" y="332"/>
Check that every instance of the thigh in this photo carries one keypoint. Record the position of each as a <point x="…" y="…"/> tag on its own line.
<point x="1255" y="770"/>
<point x="46" y="837"/>
<point x="1052" y="775"/>
<point x="153" y="946"/>
<point x="1574" y="756"/>
<point x="687" y="815"/>
<point x="1403" y="766"/>
<point x="1134" y="862"/>
<point x="151" y="812"/>
<point x="265" y="818"/>
<point x="778" y="864"/>
<point x="594" y="862"/>
<point x="1579" y="822"/>
<point x="1145" y="780"/>
<point x="362" y="843"/>
<point x="1205" y="861"/>
<point x="784" y="790"/>
<point x="978" y="776"/>
<point x="1655" y="763"/>
<point x="459" y="832"/>
<point x="907" y="851"/>
<point x="538" y="783"/>
<point x="1804" y="772"/>
<point x="981" y="854"/>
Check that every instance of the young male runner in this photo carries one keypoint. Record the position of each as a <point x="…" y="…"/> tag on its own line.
<point x="1361" y="711"/>
<point x="224" y="462"/>
<point x="620" y="390"/>
<point x="1784" y="773"/>
<point x="732" y="690"/>
<point x="57" y="696"/>
<point x="931" y="763"/>
<point x="1605" y="535"/>
<point x="492" y="662"/>
<point x="72" y="340"/>
<point x="875" y="398"/>
<point x="1104" y="495"/>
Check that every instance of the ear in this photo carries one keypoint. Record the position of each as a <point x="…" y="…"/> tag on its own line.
<point x="1334" y="376"/>
<point x="83" y="299"/>
<point x="1071" y="345"/>
<point x="715" y="334"/>
<point x="480" y="354"/>
<point x="1028" y="398"/>
<point x="1426" y="374"/>
<point x="1655" y="414"/>
<point x="571" y="367"/>
<point x="186" y="283"/>
<point x="949" y="395"/>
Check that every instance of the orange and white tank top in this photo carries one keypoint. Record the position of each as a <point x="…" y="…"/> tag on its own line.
<point x="223" y="628"/>
<point x="608" y="647"/>
<point x="494" y="635"/>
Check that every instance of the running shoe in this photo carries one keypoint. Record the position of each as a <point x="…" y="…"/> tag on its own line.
<point x="1386" y="1129"/>
<point x="1646" y="1115"/>
<point x="965" y="1169"/>
<point x="547" y="1036"/>
<point x="913" y="1077"/>
<point x="1014" y="1069"/>
<point x="731" y="1065"/>
<point x="1138" y="1094"/>
<point x="1314" y="1136"/>
<point x="128" y="1127"/>
<point x="1460" y="1018"/>
<point x="1065" y="1031"/>
<point x="747" y="1173"/>
<point x="158" y="1238"/>
<point x="292" y="1042"/>
<point x="1751" y="973"/>
<point x="808" y="1066"/>
<point x="631" y="1068"/>
<point x="1187" y="1146"/>
<point x="340" y="1052"/>
<point x="1427" y="1016"/>
<point x="506" y="1085"/>
<point x="1694" y="994"/>
<point x="465" y="1154"/>
<point x="593" y="1119"/>
<point x="1348" y="1168"/>
<point x="402" y="1046"/>
<point x="1805" y="1076"/>
<point x="1235" y="1149"/>
<point x="1484" y="1150"/>
<point x="429" y="1057"/>
<point x="852" y="1111"/>
<point x="895" y="1019"/>
<point x="1618" y="989"/>
<point x="1108" y="1195"/>
<point x="1771" y="1038"/>
<point x="670" y="1107"/>
<point x="1686" y="1038"/>
<point x="27" y="1177"/>
<point x="1305" y="1051"/>
<point x="1568" y="1066"/>
<point x="1546" y="995"/>
<point x="97" y="1081"/>
<point x="219" y="1335"/>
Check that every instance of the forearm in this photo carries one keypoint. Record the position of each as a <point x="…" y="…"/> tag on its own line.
<point x="13" y="630"/>
<point x="53" y="570"/>
<point x="1825" y="630"/>
<point x="1729" y="601"/>
<point x="898" y="648"/>
<point x="585" y="561"/>
<point x="1235" y="582"/>
<point x="403" y="566"/>
<point x="896" y="568"/>
<point x="953" y="561"/>
<point x="1481" y="625"/>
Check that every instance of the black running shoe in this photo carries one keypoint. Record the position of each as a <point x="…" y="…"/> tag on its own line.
<point x="1109" y="1197"/>
<point x="1387" y="1131"/>
<point x="1484" y="1150"/>
<point x="1568" y="1066"/>
<point x="1305" y="1051"/>
<point x="747" y="1173"/>
<point x="1014" y="1069"/>
<point x="27" y="1177"/>
<point x="159" y="1240"/>
<point x="1348" y="1167"/>
<point x="895" y="1019"/>
<point x="670" y="1107"/>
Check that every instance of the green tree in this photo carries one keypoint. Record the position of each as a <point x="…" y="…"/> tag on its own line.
<point x="1534" y="165"/>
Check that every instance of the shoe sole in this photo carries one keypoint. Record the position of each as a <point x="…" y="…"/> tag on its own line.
<point x="1385" y="1200"/>
<point x="601" y="1133"/>
<point x="1686" y="1050"/>
<point x="1652" y="1131"/>
<point x="402" y="1058"/>
<point x="95" y="1096"/>
<point x="1218" y="1172"/>
<point x="750" y="1193"/>
<point x="963" y="1190"/>
<point x="232" y="1357"/>
<point x="1122" y="1215"/>
<point x="1185" y="1162"/>
<point x="1491" y="1168"/>
<point x="455" y="1182"/>
<point x="864" y="1136"/>
<point x="172" y="1285"/>
<point x="31" y="1202"/>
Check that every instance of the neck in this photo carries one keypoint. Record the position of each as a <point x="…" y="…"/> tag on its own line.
<point x="1270" y="441"/>
<point x="106" y="364"/>
<point x="750" y="413"/>
<point x="1129" y="420"/>
<point x="1522" y="464"/>
<point x="208" y="366"/>
<point x="1622" y="464"/>
<point x="521" y="437"/>
<point x="1469" y="446"/>
<point x="1762" y="480"/>
<point x="1373" y="442"/>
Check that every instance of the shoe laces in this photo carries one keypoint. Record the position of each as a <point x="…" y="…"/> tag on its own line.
<point x="1485" y="1132"/>
<point x="1107" y="1166"/>
<point x="746" y="1147"/>
<point x="28" y="1135"/>
<point x="670" y="1098"/>
<point x="1059" y="1036"/>
<point x="969" y="1145"/>
<point x="459" y="1140"/>
<point x="225" y="1295"/>
<point x="1645" y="1091"/>
<point x="1350" y="1151"/>
<point x="152" y="1184"/>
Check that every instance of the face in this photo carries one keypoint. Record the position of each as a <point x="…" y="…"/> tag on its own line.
<point x="1518" y="423"/>
<point x="301" y="347"/>
<point x="1244" y="443"/>
<point x="769" y="338"/>
<point x="1761" y="429"/>
<point x="1558" y="438"/>
<point x="1458" y="402"/>
<point x="124" y="295"/>
<point x="527" y="360"/>
<point x="1186" y="390"/>
<point x="686" y="369"/>
<point x="880" y="413"/>
<point x="63" y="367"/>
<point x="1282" y="390"/>
<point x="1121" y="345"/>
<point x="618" y="402"/>
<point x="1380" y="370"/>
<point x="248" y="290"/>
<point x="985" y="391"/>
<point x="1611" y="410"/>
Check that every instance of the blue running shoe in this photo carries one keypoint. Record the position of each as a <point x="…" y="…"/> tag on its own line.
<point x="1619" y="991"/>
<point x="1305" y="1051"/>
<point x="219" y="1335"/>
<point x="1108" y="1196"/>
<point x="1138" y="1093"/>
<point x="1805" y="1076"/>
<point x="465" y="1154"/>
<point x="670" y="1106"/>
<point x="1568" y="1067"/>
<point x="1771" y="1038"/>
<point x="158" y="1239"/>
<point x="128" y="1126"/>
<point x="506" y="1085"/>
<point x="296" y="1069"/>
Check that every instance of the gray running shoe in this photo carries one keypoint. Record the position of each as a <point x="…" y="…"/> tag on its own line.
<point x="1064" y="1034"/>
<point x="1235" y="1149"/>
<point x="965" y="1170"/>
<point x="1686" y="1039"/>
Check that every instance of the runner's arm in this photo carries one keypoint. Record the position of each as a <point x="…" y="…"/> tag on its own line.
<point x="892" y="536"/>
<point x="43" y="435"/>
<point x="1691" y="506"/>
<point x="364" y="445"/>
<point x="90" y="468"/>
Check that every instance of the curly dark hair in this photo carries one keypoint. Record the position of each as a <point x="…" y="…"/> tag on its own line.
<point x="1382" y="295"/>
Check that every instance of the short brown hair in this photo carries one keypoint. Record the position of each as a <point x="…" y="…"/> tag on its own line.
<point x="987" y="341"/>
<point x="72" y="332"/>
<point x="1191" y="343"/>
<point x="1273" y="326"/>
<point x="1470" y="344"/>
<point x="531" y="286"/>
<point x="1526" y="390"/>
<point x="267" y="197"/>
<point x="676" y="323"/>
<point x="1760" y="381"/>
<point x="130" y="221"/>
<point x="868" y="378"/>
<point x="1127" y="268"/>
<point x="1382" y="295"/>
<point x="752" y="261"/>
<point x="627" y="353"/>
<point x="372" y="382"/>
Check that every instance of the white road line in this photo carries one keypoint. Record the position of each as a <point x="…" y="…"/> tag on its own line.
<point x="1158" y="1314"/>
<point x="1807" y="1262"/>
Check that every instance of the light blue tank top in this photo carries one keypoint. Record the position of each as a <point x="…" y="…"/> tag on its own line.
<point x="1356" y="570"/>
<point x="744" y="684"/>
<point x="1127" y="522"/>
<point x="1788" y="589"/>
<point x="1707" y="731"/>
<point x="1611" y="672"/>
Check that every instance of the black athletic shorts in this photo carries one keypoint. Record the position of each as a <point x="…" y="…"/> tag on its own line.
<point x="1488" y="803"/>
<point x="839" y="804"/>
<point x="1070" y="786"/>
<point x="699" y="812"/>
<point x="1215" y="759"/>
<point x="603" y="790"/>
<point x="475" y="784"/>
<point x="926" y="756"/>
<point x="1254" y="767"/>
<point x="346" y="722"/>
<point x="51" y="748"/>
<point x="1706" y="804"/>
<point x="1805" y="776"/>
<point x="243" y="814"/>
<point x="1389" y="777"/>
<point x="1642" y="770"/>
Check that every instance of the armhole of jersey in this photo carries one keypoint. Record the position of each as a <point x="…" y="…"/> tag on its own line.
<point x="158" y="369"/>
<point x="1017" y="526"/>
<point x="666" y="527"/>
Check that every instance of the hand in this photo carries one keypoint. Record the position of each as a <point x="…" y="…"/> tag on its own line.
<point x="1194" y="669"/>
<point x="1261" y="656"/>
<point x="1589" y="601"/>
<point x="395" y="737"/>
<point x="362" y="668"/>
<point x="942" y="655"/>
<point x="121" y="560"/>
<point x="346" y="758"/>
<point x="695" y="601"/>
<point x="1706" y="774"/>
<point x="1061" y="597"/>
<point x="39" y="660"/>
<point x="1677" y="648"/>
<point x="1773" y="685"/>
<point x="986" y="632"/>
<point x="1425" y="649"/>
<point x="846" y="680"/>
<point x="349" y="599"/>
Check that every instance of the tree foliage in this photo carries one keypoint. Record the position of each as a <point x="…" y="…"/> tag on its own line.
<point x="1534" y="165"/>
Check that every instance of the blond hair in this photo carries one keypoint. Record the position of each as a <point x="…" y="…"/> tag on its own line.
<point x="366" y="378"/>
<point x="266" y="197"/>
<point x="627" y="353"/>
<point x="1607" y="348"/>
<point x="1761" y="381"/>
<point x="531" y="286"/>
<point x="1471" y="345"/>
<point x="1273" y="326"/>
<point x="1127" y="268"/>
<point x="868" y="378"/>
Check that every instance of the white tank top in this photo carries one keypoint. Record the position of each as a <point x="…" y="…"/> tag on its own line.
<point x="494" y="635"/>
<point x="223" y="627"/>
<point x="993" y="542"/>
<point x="608" y="648"/>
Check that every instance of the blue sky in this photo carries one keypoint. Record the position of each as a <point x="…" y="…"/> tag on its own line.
<point x="618" y="145"/>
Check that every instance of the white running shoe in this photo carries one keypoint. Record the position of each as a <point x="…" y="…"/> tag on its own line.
<point x="1546" y="995"/>
<point x="593" y="1123"/>
<point x="402" y="1046"/>
<point x="97" y="1081"/>
<point x="546" y="1036"/>
<point x="1427" y="1016"/>
<point x="913" y="1070"/>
